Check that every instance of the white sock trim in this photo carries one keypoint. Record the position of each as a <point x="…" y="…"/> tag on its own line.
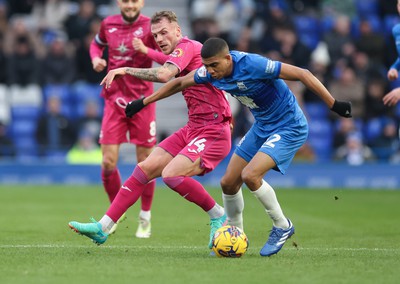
<point x="106" y="223"/>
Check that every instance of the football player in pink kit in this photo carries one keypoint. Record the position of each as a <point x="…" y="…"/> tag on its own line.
<point x="195" y="149"/>
<point x="117" y="32"/>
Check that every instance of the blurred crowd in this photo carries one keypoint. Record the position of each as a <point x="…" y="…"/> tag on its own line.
<point x="49" y="93"/>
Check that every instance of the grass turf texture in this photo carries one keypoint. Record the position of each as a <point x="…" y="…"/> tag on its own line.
<point x="342" y="236"/>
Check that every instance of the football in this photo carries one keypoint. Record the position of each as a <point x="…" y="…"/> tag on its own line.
<point x="230" y="241"/>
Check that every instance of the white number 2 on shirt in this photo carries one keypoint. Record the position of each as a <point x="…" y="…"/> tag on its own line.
<point x="198" y="143"/>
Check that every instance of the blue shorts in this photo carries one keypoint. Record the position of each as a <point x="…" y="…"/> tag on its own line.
<point x="281" y="144"/>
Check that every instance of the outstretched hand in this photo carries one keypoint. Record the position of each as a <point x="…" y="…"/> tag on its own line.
<point x="392" y="97"/>
<point x="342" y="108"/>
<point x="107" y="80"/>
<point x="134" y="107"/>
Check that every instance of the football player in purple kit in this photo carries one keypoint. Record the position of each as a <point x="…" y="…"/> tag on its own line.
<point x="195" y="149"/>
<point x="117" y="33"/>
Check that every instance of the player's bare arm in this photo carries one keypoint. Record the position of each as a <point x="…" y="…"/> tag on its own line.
<point x="159" y="74"/>
<point x="171" y="87"/>
<point x="294" y="73"/>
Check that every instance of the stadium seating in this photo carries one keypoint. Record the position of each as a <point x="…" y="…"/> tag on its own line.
<point x="389" y="21"/>
<point x="83" y="92"/>
<point x="23" y="130"/>
<point x="320" y="138"/>
<point x="367" y="7"/>
<point x="308" y="30"/>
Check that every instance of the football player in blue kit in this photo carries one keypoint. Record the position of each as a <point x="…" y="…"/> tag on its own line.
<point x="279" y="130"/>
<point x="393" y="97"/>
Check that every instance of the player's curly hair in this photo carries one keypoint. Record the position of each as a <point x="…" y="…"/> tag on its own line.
<point x="169" y="15"/>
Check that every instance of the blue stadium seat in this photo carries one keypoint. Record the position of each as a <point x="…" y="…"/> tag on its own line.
<point x="389" y="21"/>
<point x="23" y="136"/>
<point x="61" y="91"/>
<point x="374" y="20"/>
<point x="326" y="24"/>
<point x="320" y="138"/>
<point x="84" y="92"/>
<point x="367" y="7"/>
<point x="316" y="110"/>
<point x="25" y="112"/>
<point x="23" y="127"/>
<point x="373" y="128"/>
<point x="308" y="30"/>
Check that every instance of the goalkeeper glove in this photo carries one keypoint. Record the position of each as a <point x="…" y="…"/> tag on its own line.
<point x="342" y="108"/>
<point x="134" y="107"/>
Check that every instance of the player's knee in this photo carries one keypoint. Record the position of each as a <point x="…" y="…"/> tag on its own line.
<point x="151" y="170"/>
<point x="227" y="185"/>
<point x="109" y="163"/>
<point x="249" y="178"/>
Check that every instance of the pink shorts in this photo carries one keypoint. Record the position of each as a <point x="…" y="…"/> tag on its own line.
<point x="211" y="144"/>
<point x="116" y="128"/>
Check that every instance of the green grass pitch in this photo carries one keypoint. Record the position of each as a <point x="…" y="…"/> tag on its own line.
<point x="342" y="236"/>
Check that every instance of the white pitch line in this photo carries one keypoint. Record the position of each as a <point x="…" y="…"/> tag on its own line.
<point x="186" y="247"/>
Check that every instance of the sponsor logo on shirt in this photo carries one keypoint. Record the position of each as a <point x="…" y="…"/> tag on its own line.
<point x="122" y="48"/>
<point x="177" y="52"/>
<point x="112" y="30"/>
<point x="138" y="32"/>
<point x="241" y="86"/>
<point x="202" y="71"/>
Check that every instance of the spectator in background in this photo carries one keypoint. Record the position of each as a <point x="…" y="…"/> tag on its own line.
<point x="339" y="40"/>
<point x="376" y="88"/>
<point x="348" y="87"/>
<point x="90" y="122"/>
<point x="83" y="61"/>
<point x="85" y="151"/>
<point x="19" y="28"/>
<point x="7" y="147"/>
<point x="58" y="66"/>
<point x="386" y="143"/>
<point x="371" y="42"/>
<point x="55" y="131"/>
<point x="318" y="65"/>
<point x="77" y="26"/>
<point x="291" y="49"/>
<point x="365" y="67"/>
<point x="344" y="127"/>
<point x="49" y="15"/>
<point x="23" y="66"/>
<point x="257" y="32"/>
<point x="354" y="152"/>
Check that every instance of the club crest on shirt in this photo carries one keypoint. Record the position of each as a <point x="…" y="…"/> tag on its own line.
<point x="202" y="71"/>
<point x="138" y="32"/>
<point x="177" y="52"/>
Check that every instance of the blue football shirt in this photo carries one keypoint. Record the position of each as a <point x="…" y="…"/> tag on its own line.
<point x="255" y="83"/>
